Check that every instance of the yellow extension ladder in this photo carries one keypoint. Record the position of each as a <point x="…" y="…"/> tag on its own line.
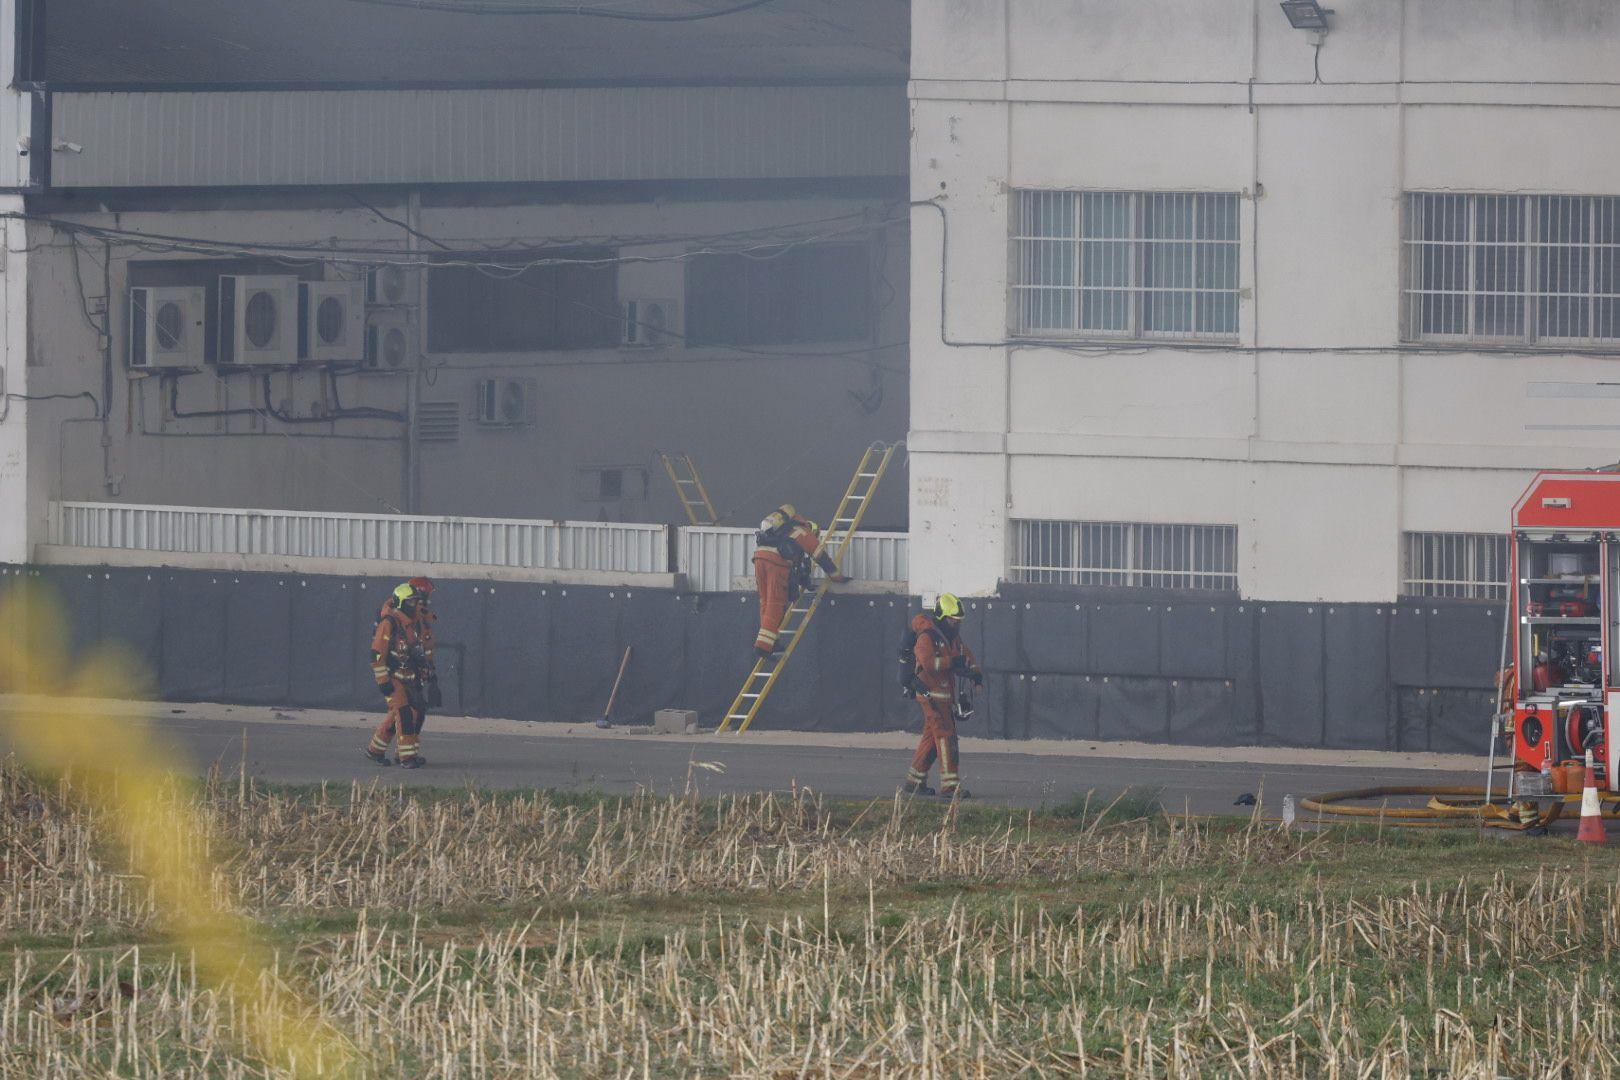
<point x="689" y="486"/>
<point x="846" y="519"/>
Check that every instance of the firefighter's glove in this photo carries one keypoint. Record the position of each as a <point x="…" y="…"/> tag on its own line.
<point x="386" y="689"/>
<point x="977" y="677"/>
<point x="435" y="697"/>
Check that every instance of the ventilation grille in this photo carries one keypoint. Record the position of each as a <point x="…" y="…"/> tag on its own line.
<point x="438" y="421"/>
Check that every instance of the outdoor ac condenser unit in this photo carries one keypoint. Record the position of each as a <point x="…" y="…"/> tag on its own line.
<point x="331" y="321"/>
<point x="166" y="327"/>
<point x="387" y="286"/>
<point x="652" y="322"/>
<point x="390" y="340"/>
<point x="506" y="402"/>
<point x="258" y="320"/>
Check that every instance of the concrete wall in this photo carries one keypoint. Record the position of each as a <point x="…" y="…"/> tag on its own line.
<point x="762" y="428"/>
<point x="1317" y="434"/>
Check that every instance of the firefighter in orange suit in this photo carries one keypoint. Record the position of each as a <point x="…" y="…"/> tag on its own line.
<point x="425" y="618"/>
<point x="406" y="678"/>
<point x="784" y="547"/>
<point x="940" y="656"/>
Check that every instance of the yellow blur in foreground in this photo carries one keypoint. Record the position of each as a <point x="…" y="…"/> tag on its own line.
<point x="116" y="766"/>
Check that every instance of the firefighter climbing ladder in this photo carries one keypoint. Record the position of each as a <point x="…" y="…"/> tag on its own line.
<point x="689" y="486"/>
<point x="846" y="519"/>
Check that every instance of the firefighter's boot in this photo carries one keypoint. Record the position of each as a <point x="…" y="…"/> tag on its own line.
<point x="377" y="756"/>
<point x="917" y="783"/>
<point x="414" y="761"/>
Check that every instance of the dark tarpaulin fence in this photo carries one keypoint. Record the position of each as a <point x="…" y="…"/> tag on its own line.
<point x="1062" y="663"/>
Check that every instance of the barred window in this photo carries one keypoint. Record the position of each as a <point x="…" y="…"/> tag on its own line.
<point x="1125" y="553"/>
<point x="1125" y="263"/>
<point x="1466" y="565"/>
<point x="1513" y="269"/>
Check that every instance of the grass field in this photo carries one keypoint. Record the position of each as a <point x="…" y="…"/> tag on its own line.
<point x="465" y="934"/>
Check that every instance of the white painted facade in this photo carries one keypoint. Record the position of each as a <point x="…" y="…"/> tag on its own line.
<point x="14" y="463"/>
<point x="1316" y="432"/>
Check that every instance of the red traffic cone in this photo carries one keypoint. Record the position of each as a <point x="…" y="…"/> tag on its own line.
<point x="1591" y="815"/>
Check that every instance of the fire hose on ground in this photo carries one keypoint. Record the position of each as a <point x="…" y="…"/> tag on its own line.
<point x="1443" y="810"/>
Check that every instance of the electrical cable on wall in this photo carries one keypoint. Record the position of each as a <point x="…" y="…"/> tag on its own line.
<point x="864" y="351"/>
<point x="293" y="442"/>
<point x="501" y="259"/>
<point x="506" y="268"/>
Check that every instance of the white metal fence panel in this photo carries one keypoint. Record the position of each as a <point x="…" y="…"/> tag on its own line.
<point x="549" y="545"/>
<point x="711" y="556"/>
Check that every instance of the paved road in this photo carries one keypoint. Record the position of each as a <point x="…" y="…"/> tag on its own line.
<point x="316" y="747"/>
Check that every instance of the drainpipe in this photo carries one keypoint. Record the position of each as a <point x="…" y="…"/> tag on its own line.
<point x="109" y="481"/>
<point x="413" y="385"/>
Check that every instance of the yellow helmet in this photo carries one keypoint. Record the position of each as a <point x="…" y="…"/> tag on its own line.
<point x="947" y="607"/>
<point x="404" y="593"/>
<point x="777" y="518"/>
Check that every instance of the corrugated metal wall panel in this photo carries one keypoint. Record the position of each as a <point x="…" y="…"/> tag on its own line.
<point x="477" y="136"/>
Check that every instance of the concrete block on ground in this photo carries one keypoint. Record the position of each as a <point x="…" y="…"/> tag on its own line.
<point x="675" y="722"/>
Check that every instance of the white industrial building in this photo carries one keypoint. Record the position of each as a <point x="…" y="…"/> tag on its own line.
<point x="1232" y="304"/>
<point x="332" y="256"/>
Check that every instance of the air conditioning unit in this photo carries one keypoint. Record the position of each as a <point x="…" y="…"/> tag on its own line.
<point x="388" y="286"/>
<point x="390" y="340"/>
<point x="166" y="327"/>
<point x="258" y="320"/>
<point x="331" y="321"/>
<point x="652" y="322"/>
<point x="506" y="402"/>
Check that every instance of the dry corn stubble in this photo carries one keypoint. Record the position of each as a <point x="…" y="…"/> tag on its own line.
<point x="765" y="936"/>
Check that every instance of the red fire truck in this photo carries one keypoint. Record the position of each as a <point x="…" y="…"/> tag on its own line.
<point x="1565" y="575"/>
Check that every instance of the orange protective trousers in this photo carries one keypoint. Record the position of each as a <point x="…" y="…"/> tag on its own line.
<point x="404" y="719"/>
<point x="771" y="575"/>
<point x="938" y="741"/>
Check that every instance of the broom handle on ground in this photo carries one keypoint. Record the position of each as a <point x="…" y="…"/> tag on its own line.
<point x="614" y="696"/>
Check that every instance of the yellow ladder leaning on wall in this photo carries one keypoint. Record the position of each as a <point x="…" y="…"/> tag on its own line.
<point x="689" y="486"/>
<point x="846" y="519"/>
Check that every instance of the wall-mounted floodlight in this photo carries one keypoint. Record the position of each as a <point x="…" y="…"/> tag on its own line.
<point x="1306" y="15"/>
